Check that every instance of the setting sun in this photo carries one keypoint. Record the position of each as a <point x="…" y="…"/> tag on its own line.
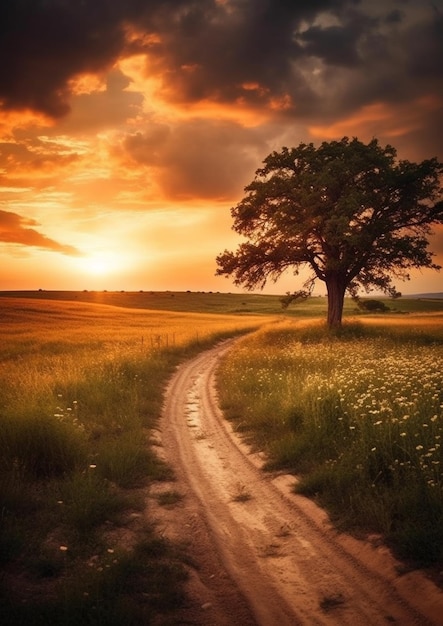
<point x="98" y="264"/>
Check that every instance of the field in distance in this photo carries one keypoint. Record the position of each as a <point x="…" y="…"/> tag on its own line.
<point x="225" y="303"/>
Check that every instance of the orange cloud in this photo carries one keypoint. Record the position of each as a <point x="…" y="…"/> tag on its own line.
<point x="13" y="121"/>
<point x="86" y="84"/>
<point x="163" y="99"/>
<point x="196" y="159"/>
<point x="380" y="119"/>
<point x="14" y="229"/>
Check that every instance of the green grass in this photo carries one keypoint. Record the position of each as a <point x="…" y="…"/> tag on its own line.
<point x="358" y="416"/>
<point x="86" y="501"/>
<point x="199" y="302"/>
<point x="81" y="389"/>
<point x="40" y="446"/>
<point x="215" y="302"/>
<point x="117" y="588"/>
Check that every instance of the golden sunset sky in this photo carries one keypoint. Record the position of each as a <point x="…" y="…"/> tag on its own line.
<point x="128" y="128"/>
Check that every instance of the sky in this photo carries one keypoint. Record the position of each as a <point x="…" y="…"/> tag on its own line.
<point x="128" y="129"/>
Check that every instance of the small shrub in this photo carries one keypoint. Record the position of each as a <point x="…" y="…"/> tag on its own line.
<point x="88" y="501"/>
<point x="168" y="498"/>
<point x="129" y="462"/>
<point x="40" y="446"/>
<point x="242" y="494"/>
<point x="372" y="305"/>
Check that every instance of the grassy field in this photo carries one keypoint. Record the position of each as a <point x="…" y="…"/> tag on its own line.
<point x="80" y="392"/>
<point x="358" y="417"/>
<point x="184" y="301"/>
<point x="222" y="303"/>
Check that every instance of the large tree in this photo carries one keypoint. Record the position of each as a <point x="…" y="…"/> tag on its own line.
<point x="351" y="212"/>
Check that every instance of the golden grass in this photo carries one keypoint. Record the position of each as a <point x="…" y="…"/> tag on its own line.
<point x="52" y="344"/>
<point x="80" y="390"/>
<point x="414" y="320"/>
<point x="419" y="324"/>
<point x="47" y="321"/>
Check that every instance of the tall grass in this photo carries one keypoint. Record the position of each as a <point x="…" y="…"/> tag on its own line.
<point x="358" y="416"/>
<point x="116" y="588"/>
<point x="80" y="390"/>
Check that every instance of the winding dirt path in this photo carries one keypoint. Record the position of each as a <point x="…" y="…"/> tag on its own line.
<point x="263" y="555"/>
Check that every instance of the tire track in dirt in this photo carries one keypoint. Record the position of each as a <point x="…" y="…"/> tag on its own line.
<point x="264" y="555"/>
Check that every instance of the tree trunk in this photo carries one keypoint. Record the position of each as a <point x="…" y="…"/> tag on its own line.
<point x="336" y="288"/>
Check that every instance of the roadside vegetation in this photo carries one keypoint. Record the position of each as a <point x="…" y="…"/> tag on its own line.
<point x="356" y="415"/>
<point x="80" y="395"/>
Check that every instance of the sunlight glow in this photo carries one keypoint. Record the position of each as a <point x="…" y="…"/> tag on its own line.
<point x="98" y="264"/>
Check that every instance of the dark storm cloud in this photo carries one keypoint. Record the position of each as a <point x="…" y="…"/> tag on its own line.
<point x="326" y="57"/>
<point x="15" y="229"/>
<point x="371" y="58"/>
<point x="218" y="51"/>
<point x="394" y="17"/>
<point x="337" y="45"/>
<point x="425" y="46"/>
<point x="43" y="43"/>
<point x="330" y="57"/>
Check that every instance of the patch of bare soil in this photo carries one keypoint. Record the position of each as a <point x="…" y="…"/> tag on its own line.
<point x="261" y="554"/>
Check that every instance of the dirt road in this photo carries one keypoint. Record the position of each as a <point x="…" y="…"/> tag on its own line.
<point x="261" y="554"/>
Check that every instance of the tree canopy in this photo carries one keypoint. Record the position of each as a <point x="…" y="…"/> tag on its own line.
<point x="351" y="212"/>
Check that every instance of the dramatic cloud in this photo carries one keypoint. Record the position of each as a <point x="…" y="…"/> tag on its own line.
<point x="217" y="50"/>
<point x="118" y="113"/>
<point x="15" y="229"/>
<point x="310" y="59"/>
<point x="47" y="42"/>
<point x="198" y="159"/>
